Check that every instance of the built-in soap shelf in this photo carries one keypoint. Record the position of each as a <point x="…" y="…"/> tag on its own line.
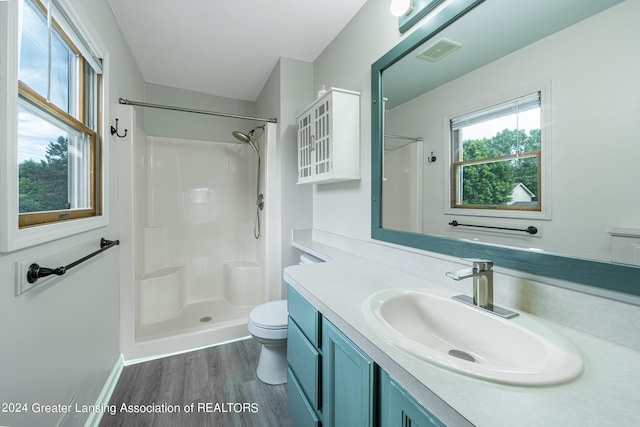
<point x="165" y="271"/>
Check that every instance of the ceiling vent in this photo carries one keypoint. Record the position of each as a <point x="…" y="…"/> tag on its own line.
<point x="439" y="50"/>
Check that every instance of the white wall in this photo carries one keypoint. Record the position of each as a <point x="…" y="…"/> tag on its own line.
<point x="286" y="94"/>
<point x="158" y="122"/>
<point x="345" y="208"/>
<point x="61" y="341"/>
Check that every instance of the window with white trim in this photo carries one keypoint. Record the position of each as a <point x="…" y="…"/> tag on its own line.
<point x="496" y="157"/>
<point x="58" y="137"/>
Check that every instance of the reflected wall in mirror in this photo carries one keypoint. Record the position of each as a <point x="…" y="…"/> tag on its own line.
<point x="481" y="51"/>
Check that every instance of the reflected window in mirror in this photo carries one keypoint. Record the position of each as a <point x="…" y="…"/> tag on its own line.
<point x="496" y="156"/>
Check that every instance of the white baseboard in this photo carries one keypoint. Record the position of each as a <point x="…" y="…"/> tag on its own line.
<point x="105" y="394"/>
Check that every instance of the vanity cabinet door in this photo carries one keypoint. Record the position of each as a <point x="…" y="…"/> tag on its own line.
<point x="399" y="409"/>
<point x="347" y="381"/>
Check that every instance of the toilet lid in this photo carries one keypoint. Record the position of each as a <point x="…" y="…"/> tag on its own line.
<point x="270" y="315"/>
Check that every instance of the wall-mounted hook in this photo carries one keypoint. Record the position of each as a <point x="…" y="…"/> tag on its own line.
<point x="432" y="158"/>
<point x="114" y="131"/>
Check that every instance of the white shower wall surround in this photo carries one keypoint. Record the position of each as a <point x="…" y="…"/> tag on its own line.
<point x="198" y="268"/>
<point x="202" y="194"/>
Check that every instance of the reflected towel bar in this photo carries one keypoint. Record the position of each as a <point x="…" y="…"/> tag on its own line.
<point x="531" y="229"/>
<point x="35" y="271"/>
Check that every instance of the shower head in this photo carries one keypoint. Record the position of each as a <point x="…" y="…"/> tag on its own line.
<point x="247" y="138"/>
<point x="242" y="137"/>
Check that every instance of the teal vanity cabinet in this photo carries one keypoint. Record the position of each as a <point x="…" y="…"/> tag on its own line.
<point x="303" y="355"/>
<point x="348" y="377"/>
<point x="333" y="383"/>
<point x="399" y="409"/>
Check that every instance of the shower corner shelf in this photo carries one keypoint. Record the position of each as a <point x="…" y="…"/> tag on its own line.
<point x="329" y="138"/>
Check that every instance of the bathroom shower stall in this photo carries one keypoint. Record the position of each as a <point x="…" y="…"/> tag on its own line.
<point x="197" y="262"/>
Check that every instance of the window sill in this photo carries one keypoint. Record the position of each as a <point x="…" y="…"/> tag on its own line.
<point x="14" y="238"/>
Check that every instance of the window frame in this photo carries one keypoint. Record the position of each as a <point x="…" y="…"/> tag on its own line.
<point x="12" y="236"/>
<point x="33" y="219"/>
<point x="543" y="212"/>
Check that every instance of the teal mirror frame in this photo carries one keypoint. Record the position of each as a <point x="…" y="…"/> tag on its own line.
<point x="600" y="275"/>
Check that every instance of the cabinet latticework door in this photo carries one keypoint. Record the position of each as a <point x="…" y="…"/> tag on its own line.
<point x="322" y="146"/>
<point x="305" y="148"/>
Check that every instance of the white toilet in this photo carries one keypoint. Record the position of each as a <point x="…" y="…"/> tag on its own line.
<point x="268" y="325"/>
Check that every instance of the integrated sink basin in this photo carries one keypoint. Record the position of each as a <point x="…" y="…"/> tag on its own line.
<point x="435" y="328"/>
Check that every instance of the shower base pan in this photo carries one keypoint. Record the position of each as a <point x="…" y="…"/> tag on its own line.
<point x="200" y="324"/>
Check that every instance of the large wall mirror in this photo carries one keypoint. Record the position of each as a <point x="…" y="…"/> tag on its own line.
<point x="571" y="63"/>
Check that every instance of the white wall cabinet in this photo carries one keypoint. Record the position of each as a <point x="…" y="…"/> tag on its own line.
<point x="329" y="138"/>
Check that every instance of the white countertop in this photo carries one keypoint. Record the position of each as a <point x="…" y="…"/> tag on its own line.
<point x="607" y="393"/>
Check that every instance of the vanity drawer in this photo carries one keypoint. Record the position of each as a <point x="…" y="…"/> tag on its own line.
<point x="304" y="361"/>
<point x="299" y="410"/>
<point x="305" y="316"/>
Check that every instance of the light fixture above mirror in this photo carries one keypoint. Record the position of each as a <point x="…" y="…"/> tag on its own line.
<point x="401" y="7"/>
<point x="409" y="12"/>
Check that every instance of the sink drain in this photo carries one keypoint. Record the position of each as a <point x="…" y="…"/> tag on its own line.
<point x="461" y="355"/>
<point x="205" y="319"/>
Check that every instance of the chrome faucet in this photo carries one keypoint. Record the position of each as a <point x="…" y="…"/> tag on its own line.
<point x="482" y="274"/>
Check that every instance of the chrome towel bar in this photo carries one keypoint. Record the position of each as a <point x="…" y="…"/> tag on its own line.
<point x="35" y="271"/>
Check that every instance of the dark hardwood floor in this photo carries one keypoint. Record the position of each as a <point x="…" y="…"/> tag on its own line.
<point x="211" y="387"/>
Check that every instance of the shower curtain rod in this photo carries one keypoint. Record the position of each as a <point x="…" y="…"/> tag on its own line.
<point x="191" y="110"/>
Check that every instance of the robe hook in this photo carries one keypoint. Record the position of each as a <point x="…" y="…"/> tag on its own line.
<point x="114" y="131"/>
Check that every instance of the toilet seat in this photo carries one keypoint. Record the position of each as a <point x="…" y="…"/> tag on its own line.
<point x="270" y="315"/>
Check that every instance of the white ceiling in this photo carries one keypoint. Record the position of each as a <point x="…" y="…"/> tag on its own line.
<point x="226" y="48"/>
